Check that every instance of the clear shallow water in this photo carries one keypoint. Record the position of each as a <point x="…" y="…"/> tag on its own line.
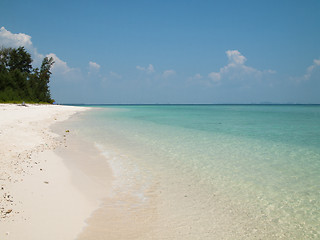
<point x="224" y="171"/>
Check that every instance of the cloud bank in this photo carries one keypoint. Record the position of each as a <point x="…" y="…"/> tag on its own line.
<point x="149" y="69"/>
<point x="236" y="69"/>
<point x="59" y="66"/>
<point x="168" y="73"/>
<point x="311" y="69"/>
<point x="15" y="40"/>
<point x="94" y="66"/>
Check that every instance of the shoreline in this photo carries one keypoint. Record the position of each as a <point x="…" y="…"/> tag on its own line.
<point x="47" y="189"/>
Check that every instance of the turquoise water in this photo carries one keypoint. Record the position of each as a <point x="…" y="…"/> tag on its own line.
<point x="237" y="171"/>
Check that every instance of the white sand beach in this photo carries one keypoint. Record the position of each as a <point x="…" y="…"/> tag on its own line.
<point x="42" y="197"/>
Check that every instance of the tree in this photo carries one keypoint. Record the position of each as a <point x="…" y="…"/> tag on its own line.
<point x="20" y="59"/>
<point x="44" y="78"/>
<point x="19" y="81"/>
<point x="4" y="58"/>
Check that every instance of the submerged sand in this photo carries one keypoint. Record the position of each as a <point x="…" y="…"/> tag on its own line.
<point x="42" y="195"/>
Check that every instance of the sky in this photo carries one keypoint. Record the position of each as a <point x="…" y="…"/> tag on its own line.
<point x="176" y="51"/>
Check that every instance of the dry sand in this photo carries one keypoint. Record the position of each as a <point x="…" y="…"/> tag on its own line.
<point x="43" y="195"/>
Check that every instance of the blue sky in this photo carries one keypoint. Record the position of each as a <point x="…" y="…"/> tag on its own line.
<point x="172" y="51"/>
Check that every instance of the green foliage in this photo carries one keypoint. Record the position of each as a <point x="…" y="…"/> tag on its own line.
<point x="20" y="60"/>
<point x="19" y="81"/>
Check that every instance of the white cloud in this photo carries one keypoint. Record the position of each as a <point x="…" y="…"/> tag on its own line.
<point x="59" y="66"/>
<point x="311" y="69"/>
<point x="236" y="69"/>
<point x="140" y="68"/>
<point x="149" y="69"/>
<point x="168" y="73"/>
<point x="216" y="77"/>
<point x="198" y="76"/>
<point x="115" y="75"/>
<point x="195" y="78"/>
<point x="94" y="66"/>
<point x="235" y="57"/>
<point x="15" y="40"/>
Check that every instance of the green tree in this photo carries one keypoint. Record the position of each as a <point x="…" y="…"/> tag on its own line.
<point x="20" y="59"/>
<point x="19" y="81"/>
<point x="44" y="78"/>
<point x="4" y="58"/>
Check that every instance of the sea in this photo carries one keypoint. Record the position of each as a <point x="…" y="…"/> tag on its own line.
<point x="210" y="171"/>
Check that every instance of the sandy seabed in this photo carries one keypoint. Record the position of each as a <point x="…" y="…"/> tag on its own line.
<point x="41" y="195"/>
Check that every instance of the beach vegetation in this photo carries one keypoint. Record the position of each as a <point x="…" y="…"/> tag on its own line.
<point x="19" y="81"/>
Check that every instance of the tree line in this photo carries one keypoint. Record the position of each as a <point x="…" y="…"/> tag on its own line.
<point x="19" y="81"/>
